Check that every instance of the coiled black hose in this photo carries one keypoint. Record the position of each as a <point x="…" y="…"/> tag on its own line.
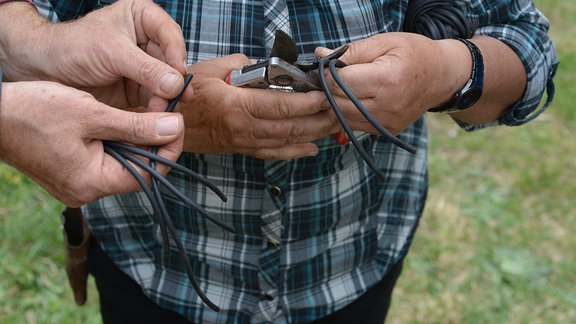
<point x="439" y="19"/>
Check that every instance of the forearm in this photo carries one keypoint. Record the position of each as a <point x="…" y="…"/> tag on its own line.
<point x="504" y="81"/>
<point x="525" y="32"/>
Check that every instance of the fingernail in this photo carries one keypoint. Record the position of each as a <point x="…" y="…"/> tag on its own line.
<point x="167" y="126"/>
<point x="167" y="82"/>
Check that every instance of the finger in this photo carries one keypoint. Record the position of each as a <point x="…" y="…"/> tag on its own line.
<point x="155" y="51"/>
<point x="161" y="29"/>
<point x="368" y="49"/>
<point x="157" y="104"/>
<point x="297" y="130"/>
<point x="152" y="25"/>
<point x="266" y="104"/>
<point x="360" y="74"/>
<point x="322" y="51"/>
<point x="137" y="128"/>
<point x="287" y="152"/>
<point x="117" y="178"/>
<point x="219" y="67"/>
<point x="170" y="151"/>
<point x="161" y="79"/>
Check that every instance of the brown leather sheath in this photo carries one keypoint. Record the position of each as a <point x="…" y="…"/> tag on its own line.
<point x="77" y="242"/>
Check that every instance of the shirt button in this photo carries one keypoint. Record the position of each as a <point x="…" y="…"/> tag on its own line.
<point x="273" y="244"/>
<point x="276" y="191"/>
<point x="269" y="297"/>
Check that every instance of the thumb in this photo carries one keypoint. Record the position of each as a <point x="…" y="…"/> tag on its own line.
<point x="158" y="77"/>
<point x="322" y="51"/>
<point x="347" y="57"/>
<point x="150" y="129"/>
<point x="364" y="50"/>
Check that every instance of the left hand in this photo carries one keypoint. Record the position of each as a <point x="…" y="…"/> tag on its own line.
<point x="398" y="77"/>
<point x="54" y="133"/>
<point x="224" y="119"/>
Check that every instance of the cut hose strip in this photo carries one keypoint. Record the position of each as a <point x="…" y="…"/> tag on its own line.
<point x="127" y="156"/>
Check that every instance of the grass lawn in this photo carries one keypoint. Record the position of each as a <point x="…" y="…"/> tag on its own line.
<point x="496" y="244"/>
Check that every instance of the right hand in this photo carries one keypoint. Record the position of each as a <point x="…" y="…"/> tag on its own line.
<point x="54" y="133"/>
<point x="263" y="123"/>
<point x="123" y="54"/>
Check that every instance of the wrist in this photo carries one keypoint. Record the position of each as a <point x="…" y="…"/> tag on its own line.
<point x="22" y="41"/>
<point x="457" y="67"/>
<point x="469" y="88"/>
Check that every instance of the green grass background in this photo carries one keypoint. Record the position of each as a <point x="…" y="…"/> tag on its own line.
<point x="496" y="244"/>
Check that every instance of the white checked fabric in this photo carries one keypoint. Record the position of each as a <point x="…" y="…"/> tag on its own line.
<point x="275" y="17"/>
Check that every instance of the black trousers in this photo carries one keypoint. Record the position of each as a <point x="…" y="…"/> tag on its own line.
<point x="122" y="300"/>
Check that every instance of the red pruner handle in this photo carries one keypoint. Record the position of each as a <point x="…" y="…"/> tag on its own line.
<point x="341" y="137"/>
<point x="229" y="77"/>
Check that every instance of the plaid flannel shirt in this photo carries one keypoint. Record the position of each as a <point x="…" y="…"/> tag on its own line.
<point x="312" y="234"/>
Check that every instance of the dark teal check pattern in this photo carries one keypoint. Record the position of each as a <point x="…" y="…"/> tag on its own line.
<point x="336" y="229"/>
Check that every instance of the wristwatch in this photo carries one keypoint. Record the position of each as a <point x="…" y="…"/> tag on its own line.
<point x="472" y="90"/>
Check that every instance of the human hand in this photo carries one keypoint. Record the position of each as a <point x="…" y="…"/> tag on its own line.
<point x="398" y="77"/>
<point x="54" y="133"/>
<point x="263" y="123"/>
<point x="123" y="53"/>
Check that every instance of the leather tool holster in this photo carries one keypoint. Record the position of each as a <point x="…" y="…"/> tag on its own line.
<point x="77" y="242"/>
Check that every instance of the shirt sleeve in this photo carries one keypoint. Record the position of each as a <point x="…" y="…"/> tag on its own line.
<point x="520" y="25"/>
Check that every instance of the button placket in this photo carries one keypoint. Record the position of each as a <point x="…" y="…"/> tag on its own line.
<point x="273" y="207"/>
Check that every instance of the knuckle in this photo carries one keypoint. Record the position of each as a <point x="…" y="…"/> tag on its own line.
<point x="147" y="71"/>
<point x="238" y="60"/>
<point x="293" y="134"/>
<point x="138" y="128"/>
<point x="283" y="107"/>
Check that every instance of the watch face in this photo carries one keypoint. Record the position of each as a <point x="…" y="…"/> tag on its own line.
<point x="469" y="98"/>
